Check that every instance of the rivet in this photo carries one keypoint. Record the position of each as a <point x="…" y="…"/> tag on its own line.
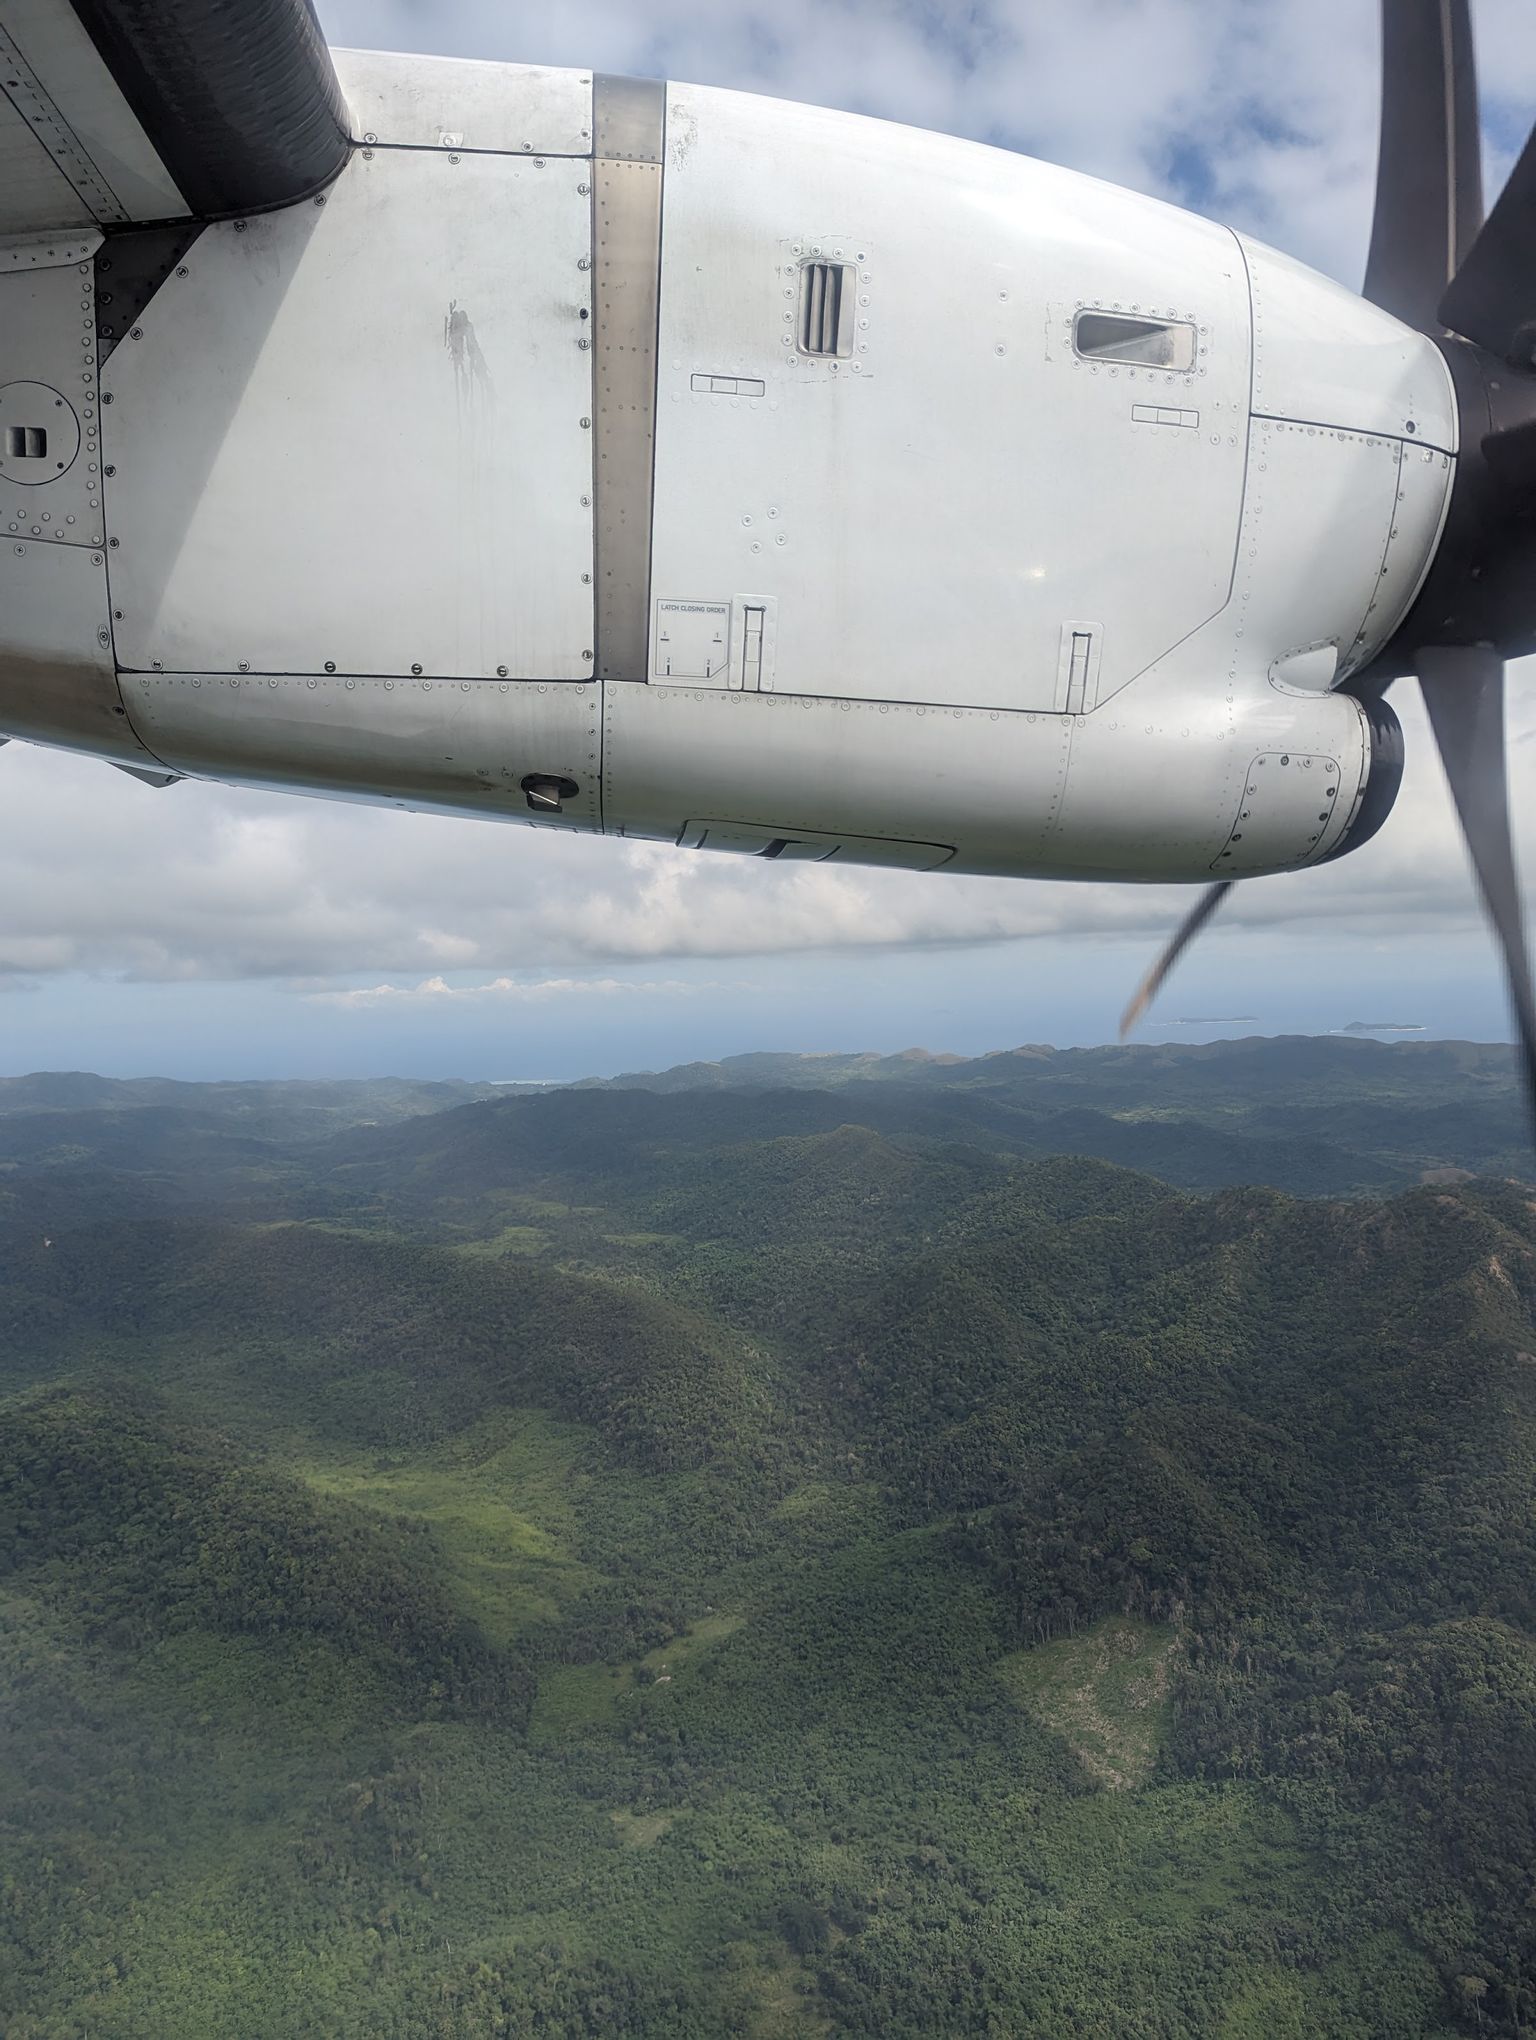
<point x="370" y="138"/>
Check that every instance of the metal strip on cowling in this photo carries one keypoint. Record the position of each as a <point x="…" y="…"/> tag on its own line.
<point x="628" y="136"/>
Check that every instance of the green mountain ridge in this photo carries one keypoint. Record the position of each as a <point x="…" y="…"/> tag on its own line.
<point x="770" y="1560"/>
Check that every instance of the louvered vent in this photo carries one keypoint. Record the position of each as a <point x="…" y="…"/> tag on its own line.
<point x="826" y="308"/>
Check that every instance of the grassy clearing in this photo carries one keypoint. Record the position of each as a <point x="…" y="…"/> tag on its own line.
<point x="523" y="1241"/>
<point x="498" y="1500"/>
<point x="1105" y="1692"/>
<point x="579" y="1699"/>
<point x="639" y="1830"/>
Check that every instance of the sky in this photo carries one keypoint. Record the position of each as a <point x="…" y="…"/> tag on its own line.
<point x="201" y="931"/>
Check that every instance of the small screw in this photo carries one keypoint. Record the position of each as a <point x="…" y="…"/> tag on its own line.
<point x="586" y="655"/>
<point x="103" y="637"/>
<point x="330" y="665"/>
<point x="239" y="226"/>
<point x="117" y="615"/>
<point x="106" y="396"/>
<point x="585" y="578"/>
<point x="319" y="201"/>
<point x="416" y="669"/>
<point x="113" y="544"/>
<point x="453" y="159"/>
<point x="586" y="424"/>
<point x="245" y="665"/>
<point x="367" y="155"/>
<point x="582" y="190"/>
<point x="109" y="469"/>
<point x="183" y="271"/>
<point x="501" y="672"/>
<point x="370" y="138"/>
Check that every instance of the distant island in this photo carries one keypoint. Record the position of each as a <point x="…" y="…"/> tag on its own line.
<point x="1383" y="1027"/>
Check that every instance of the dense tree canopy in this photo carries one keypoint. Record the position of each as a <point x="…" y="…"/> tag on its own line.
<point x="699" y="1559"/>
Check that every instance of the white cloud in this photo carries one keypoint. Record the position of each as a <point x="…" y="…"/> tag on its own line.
<point x="515" y="991"/>
<point x="206" y="883"/>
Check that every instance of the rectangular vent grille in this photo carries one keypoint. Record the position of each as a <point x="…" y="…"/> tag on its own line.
<point x="826" y="308"/>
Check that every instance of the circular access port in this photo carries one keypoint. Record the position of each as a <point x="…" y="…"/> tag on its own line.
<point x="39" y="433"/>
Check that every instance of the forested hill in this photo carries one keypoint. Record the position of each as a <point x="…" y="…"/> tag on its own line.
<point x="1329" y="1116"/>
<point x="787" y="1561"/>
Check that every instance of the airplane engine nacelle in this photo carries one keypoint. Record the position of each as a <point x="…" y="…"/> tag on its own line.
<point x="672" y="463"/>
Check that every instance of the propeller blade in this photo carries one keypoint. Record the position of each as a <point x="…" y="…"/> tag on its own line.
<point x="1188" y="929"/>
<point x="1463" y="689"/>
<point x="1429" y="182"/>
<point x="1493" y="297"/>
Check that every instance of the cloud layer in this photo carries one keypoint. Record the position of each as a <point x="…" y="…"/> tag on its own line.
<point x="203" y="883"/>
